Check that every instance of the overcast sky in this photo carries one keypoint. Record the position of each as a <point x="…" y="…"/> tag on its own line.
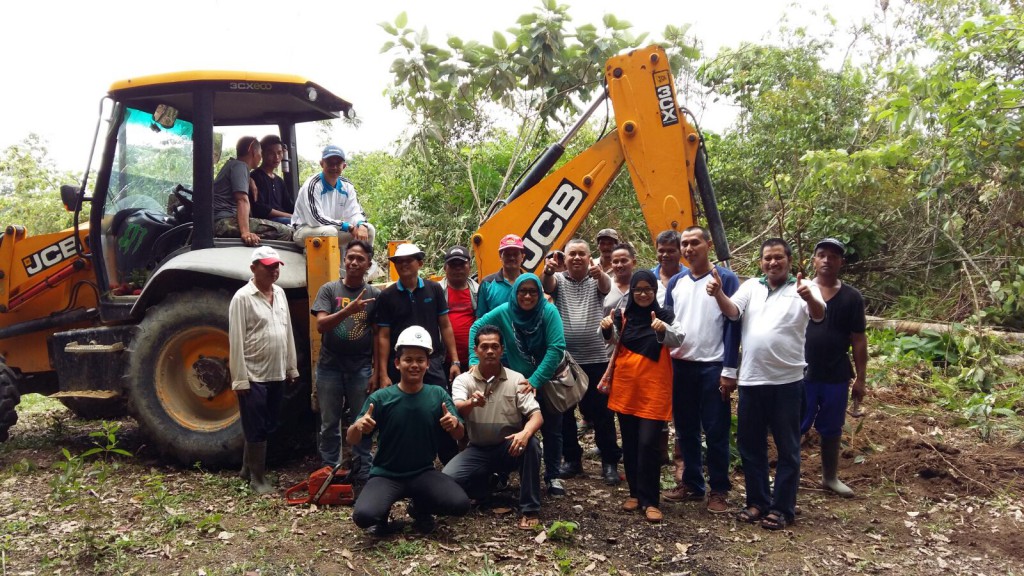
<point x="61" y="56"/>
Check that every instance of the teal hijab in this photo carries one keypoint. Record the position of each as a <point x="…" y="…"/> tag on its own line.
<point x="528" y="324"/>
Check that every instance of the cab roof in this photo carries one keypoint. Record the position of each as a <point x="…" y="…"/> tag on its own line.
<point x="239" y="98"/>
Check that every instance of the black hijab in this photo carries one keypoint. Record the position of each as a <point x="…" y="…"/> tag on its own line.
<point x="638" y="336"/>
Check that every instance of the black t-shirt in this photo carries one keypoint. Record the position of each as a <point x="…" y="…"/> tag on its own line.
<point x="828" y="342"/>
<point x="272" y="195"/>
<point x="397" y="308"/>
<point x="350" y="345"/>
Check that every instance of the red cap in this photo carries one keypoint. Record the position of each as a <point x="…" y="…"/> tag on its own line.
<point x="511" y="241"/>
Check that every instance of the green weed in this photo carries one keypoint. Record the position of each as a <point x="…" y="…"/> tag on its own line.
<point x="562" y="530"/>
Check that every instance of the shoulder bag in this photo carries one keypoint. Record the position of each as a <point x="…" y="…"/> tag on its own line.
<point x="568" y="385"/>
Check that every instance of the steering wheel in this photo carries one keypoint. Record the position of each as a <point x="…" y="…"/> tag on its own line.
<point x="184" y="195"/>
<point x="183" y="211"/>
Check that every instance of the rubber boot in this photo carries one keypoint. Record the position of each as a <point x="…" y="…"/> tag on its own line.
<point x="830" y="467"/>
<point x="257" y="456"/>
<point x="244" y="472"/>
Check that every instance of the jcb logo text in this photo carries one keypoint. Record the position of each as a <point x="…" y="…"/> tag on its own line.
<point x="560" y="208"/>
<point x="50" y="256"/>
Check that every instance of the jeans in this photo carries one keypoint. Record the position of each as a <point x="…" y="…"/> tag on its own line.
<point x="641" y="447"/>
<point x="774" y="408"/>
<point x="432" y="492"/>
<point x="259" y="409"/>
<point x="551" y="431"/>
<point x="342" y="394"/>
<point x="472" y="469"/>
<point x="825" y="407"/>
<point x="593" y="405"/>
<point x="697" y="404"/>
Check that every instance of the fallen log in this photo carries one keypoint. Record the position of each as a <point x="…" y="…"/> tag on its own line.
<point x="912" y="327"/>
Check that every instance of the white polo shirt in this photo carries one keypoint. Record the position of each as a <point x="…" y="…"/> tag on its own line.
<point x="774" y="325"/>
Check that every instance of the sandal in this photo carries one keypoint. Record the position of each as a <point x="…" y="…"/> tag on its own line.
<point x="774" y="520"/>
<point x="631" y="504"/>
<point x="653" y="514"/>
<point x="750" y="514"/>
<point x="529" y="521"/>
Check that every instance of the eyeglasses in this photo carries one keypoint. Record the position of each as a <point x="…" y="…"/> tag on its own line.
<point x="532" y="293"/>
<point x="643" y="291"/>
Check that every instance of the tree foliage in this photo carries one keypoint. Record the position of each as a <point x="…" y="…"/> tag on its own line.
<point x="30" y="188"/>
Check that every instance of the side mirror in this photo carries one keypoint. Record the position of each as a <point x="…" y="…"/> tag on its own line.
<point x="69" y="196"/>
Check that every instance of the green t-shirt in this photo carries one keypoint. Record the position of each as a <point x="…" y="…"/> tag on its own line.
<point x="408" y="428"/>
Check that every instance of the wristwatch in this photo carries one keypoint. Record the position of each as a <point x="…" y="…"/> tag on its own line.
<point x="457" y="363"/>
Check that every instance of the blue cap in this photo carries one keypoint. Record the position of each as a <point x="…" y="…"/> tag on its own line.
<point x="332" y="151"/>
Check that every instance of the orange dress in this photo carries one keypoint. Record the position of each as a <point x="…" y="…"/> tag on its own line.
<point x="642" y="387"/>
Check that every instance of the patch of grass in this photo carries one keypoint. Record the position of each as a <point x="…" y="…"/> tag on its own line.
<point x="38" y="404"/>
<point x="400" y="549"/>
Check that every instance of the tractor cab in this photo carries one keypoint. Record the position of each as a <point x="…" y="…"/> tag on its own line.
<point x="158" y="151"/>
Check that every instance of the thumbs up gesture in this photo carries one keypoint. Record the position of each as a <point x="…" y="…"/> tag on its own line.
<point x="448" y="421"/>
<point x="714" y="286"/>
<point x="366" y="423"/>
<point x="803" y="289"/>
<point x="657" y="325"/>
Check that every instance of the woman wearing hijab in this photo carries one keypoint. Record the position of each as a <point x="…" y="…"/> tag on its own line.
<point x="641" y="387"/>
<point x="534" y="347"/>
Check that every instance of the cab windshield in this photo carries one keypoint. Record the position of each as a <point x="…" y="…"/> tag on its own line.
<point x="149" y="162"/>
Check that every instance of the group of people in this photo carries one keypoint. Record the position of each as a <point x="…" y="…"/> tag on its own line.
<point x="457" y="370"/>
<point x="250" y="200"/>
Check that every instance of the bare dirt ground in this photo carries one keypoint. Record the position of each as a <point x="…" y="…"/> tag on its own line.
<point x="931" y="499"/>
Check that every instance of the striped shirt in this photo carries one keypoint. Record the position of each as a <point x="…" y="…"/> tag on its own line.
<point x="581" y="305"/>
<point x="320" y="205"/>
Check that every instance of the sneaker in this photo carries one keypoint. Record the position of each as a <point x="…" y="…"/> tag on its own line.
<point x="717" y="503"/>
<point x="555" y="488"/>
<point x="373" y="273"/>
<point x="683" y="493"/>
<point x="610" y="473"/>
<point x="570" y="469"/>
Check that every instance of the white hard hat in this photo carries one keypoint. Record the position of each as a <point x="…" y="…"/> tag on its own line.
<point x="407" y="249"/>
<point x="415" y="336"/>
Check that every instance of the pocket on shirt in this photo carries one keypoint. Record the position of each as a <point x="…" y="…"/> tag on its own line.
<point x="508" y="405"/>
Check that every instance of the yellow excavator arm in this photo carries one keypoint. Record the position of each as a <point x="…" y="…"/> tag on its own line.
<point x="652" y="138"/>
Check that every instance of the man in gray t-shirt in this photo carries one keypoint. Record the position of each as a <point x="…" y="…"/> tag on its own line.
<point x="578" y="295"/>
<point x="231" y="188"/>
<point x="344" y="312"/>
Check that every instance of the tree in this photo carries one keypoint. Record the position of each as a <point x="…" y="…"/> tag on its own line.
<point x="30" y="188"/>
<point x="530" y="83"/>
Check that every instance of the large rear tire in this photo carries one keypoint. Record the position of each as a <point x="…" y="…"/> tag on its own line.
<point x="179" y="387"/>
<point x="9" y="399"/>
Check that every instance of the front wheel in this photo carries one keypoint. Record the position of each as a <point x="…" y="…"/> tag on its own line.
<point x="178" y="381"/>
<point x="9" y="398"/>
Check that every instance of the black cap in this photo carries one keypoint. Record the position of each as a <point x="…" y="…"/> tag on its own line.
<point x="456" y="253"/>
<point x="832" y="243"/>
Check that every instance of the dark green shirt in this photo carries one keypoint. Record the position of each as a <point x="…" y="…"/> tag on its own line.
<point x="408" y="429"/>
